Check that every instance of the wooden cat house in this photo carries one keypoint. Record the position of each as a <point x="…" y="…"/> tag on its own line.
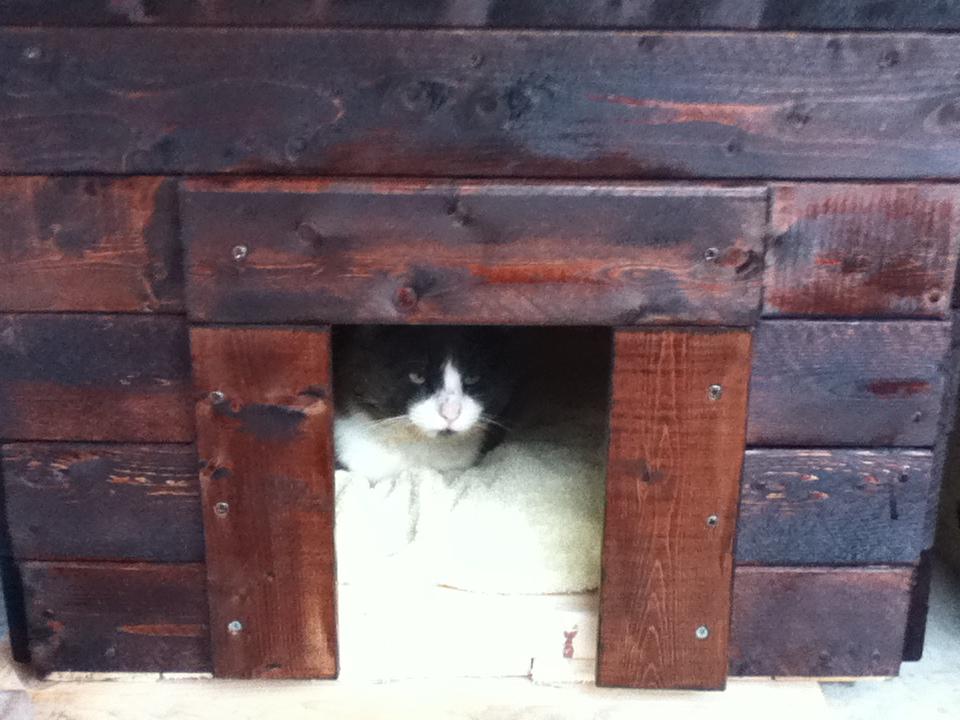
<point x="768" y="221"/>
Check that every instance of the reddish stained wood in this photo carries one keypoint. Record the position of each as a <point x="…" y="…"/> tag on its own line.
<point x="863" y="250"/>
<point x="702" y="14"/>
<point x="826" y="622"/>
<point x="674" y="461"/>
<point x="467" y="104"/>
<point x="69" y="501"/>
<point x="834" y="507"/>
<point x="116" y="617"/>
<point x="267" y="450"/>
<point x="89" y="244"/>
<point x="859" y="384"/>
<point x="361" y="252"/>
<point x="111" y="378"/>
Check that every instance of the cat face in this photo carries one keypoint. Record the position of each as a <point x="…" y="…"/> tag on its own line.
<point x="444" y="381"/>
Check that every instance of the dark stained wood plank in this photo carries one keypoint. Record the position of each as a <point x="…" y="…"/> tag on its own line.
<point x="68" y="501"/>
<point x="89" y="244"/>
<point x="672" y="483"/>
<point x="860" y="384"/>
<point x="834" y="507"/>
<point x="824" y="622"/>
<point x="112" y="617"/>
<point x="916" y="631"/>
<point x="402" y="251"/>
<point x="689" y="14"/>
<point x="95" y="377"/>
<point x="862" y="250"/>
<point x="462" y="103"/>
<point x="268" y="498"/>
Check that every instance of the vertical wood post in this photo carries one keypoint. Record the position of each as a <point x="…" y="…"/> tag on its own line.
<point x="264" y="417"/>
<point x="677" y="434"/>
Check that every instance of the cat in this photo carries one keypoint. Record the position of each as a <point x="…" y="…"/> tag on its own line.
<point x="418" y="397"/>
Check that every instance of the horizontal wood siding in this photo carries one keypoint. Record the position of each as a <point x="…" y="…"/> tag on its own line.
<point x="826" y="622"/>
<point x="91" y="244"/>
<point x="461" y="103"/>
<point x="867" y="384"/>
<point x="786" y="621"/>
<point x="116" y="617"/>
<point x="672" y="14"/>
<point x="814" y="384"/>
<point x="95" y="377"/>
<point x="472" y="252"/>
<point x="834" y="507"/>
<point x="862" y="250"/>
<point x="68" y="501"/>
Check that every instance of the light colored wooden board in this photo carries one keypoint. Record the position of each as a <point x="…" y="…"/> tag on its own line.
<point x="491" y="700"/>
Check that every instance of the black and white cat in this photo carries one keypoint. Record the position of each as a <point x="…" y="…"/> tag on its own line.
<point x="417" y="397"/>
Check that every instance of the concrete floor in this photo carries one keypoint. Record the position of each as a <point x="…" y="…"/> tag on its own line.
<point x="926" y="689"/>
<point x="929" y="688"/>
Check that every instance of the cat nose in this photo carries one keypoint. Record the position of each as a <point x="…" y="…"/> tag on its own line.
<point x="450" y="409"/>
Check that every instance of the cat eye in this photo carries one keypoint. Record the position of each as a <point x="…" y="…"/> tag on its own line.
<point x="471" y="380"/>
<point x="417" y="379"/>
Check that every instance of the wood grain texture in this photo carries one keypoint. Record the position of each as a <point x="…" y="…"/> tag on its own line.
<point x="267" y="448"/>
<point x="674" y="460"/>
<point x="826" y="622"/>
<point x="95" y="377"/>
<point x="113" y="617"/>
<point x="68" y="501"/>
<point x="859" y="384"/>
<point x="467" y="104"/>
<point x="473" y="252"/>
<point x="862" y="250"/>
<point x="89" y="244"/>
<point x="834" y="507"/>
<point x="668" y="14"/>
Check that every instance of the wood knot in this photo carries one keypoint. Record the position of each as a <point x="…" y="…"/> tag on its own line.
<point x="459" y="214"/>
<point x="889" y="59"/>
<point x="424" y="96"/>
<point x="406" y="299"/>
<point x="309" y="234"/>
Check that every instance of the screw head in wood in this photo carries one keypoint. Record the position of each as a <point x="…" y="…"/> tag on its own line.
<point x="702" y="632"/>
<point x="711" y="254"/>
<point x="217" y="397"/>
<point x="234" y="627"/>
<point x="32" y="53"/>
<point x="713" y="521"/>
<point x="239" y="252"/>
<point x="714" y="392"/>
<point x="221" y="509"/>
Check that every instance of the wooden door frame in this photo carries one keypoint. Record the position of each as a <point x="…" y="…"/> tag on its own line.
<point x="677" y="437"/>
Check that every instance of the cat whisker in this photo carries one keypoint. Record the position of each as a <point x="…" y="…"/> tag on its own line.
<point x="487" y="421"/>
<point x="386" y="421"/>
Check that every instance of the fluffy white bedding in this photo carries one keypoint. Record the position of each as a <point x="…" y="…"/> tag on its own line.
<point x="488" y="573"/>
<point x="527" y="519"/>
<point x="476" y="575"/>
